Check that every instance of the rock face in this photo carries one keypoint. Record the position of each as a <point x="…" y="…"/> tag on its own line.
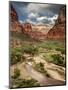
<point x="34" y="34"/>
<point x="58" y="31"/>
<point x="26" y="28"/>
<point x="13" y="14"/>
<point x="14" y="24"/>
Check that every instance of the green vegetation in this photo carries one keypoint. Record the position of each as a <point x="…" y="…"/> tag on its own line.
<point x="17" y="82"/>
<point x="20" y="36"/>
<point x="16" y="73"/>
<point x="33" y="50"/>
<point x="40" y="67"/>
<point x="62" y="50"/>
<point x="51" y="51"/>
<point x="20" y="83"/>
<point x="16" y="56"/>
<point x="51" y="44"/>
<point x="57" y="59"/>
<point x="47" y="57"/>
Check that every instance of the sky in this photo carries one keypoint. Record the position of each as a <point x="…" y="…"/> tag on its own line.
<point x="36" y="13"/>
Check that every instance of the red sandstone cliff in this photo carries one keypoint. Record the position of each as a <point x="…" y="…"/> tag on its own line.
<point x="14" y="24"/>
<point x="13" y="14"/>
<point x="35" y="34"/>
<point x="58" y="31"/>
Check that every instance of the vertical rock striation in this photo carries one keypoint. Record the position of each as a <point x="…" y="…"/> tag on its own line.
<point x="58" y="31"/>
<point x="14" y="24"/>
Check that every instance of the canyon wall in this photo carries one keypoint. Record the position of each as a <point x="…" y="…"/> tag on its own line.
<point x="58" y="31"/>
<point x="14" y="24"/>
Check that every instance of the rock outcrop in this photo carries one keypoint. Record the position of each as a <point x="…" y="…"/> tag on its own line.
<point x="13" y="14"/>
<point x="15" y="26"/>
<point x="34" y="34"/>
<point x="26" y="28"/>
<point x="58" y="31"/>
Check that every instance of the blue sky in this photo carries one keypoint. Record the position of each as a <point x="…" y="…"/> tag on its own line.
<point x="36" y="13"/>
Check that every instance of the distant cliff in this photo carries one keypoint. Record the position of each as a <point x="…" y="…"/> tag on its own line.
<point x="58" y="31"/>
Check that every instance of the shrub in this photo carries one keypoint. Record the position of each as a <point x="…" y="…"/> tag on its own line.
<point x="61" y="49"/>
<point x="40" y="67"/>
<point x="16" y="73"/>
<point x="47" y="57"/>
<point x="16" y="55"/>
<point x="57" y="59"/>
<point x="20" y="83"/>
<point x="33" y="50"/>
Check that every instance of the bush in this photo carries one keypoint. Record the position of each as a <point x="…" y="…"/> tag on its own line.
<point x="16" y="73"/>
<point x="47" y="57"/>
<point x="33" y="50"/>
<point x="40" y="67"/>
<point x="16" y="56"/>
<point x="61" y="49"/>
<point x="57" y="59"/>
<point x="20" y="83"/>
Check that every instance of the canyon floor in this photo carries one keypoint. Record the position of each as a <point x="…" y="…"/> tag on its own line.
<point x="44" y="61"/>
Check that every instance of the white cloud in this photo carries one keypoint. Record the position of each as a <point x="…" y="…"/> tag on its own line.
<point x="32" y="15"/>
<point x="41" y="18"/>
<point x="52" y="19"/>
<point x="40" y="13"/>
<point x="32" y="7"/>
<point x="30" y="21"/>
<point x="47" y="20"/>
<point x="55" y="17"/>
<point x="21" y="21"/>
<point x="45" y="5"/>
<point x="37" y="7"/>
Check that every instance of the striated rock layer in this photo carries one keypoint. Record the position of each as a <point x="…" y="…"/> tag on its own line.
<point x="58" y="31"/>
<point x="14" y="24"/>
